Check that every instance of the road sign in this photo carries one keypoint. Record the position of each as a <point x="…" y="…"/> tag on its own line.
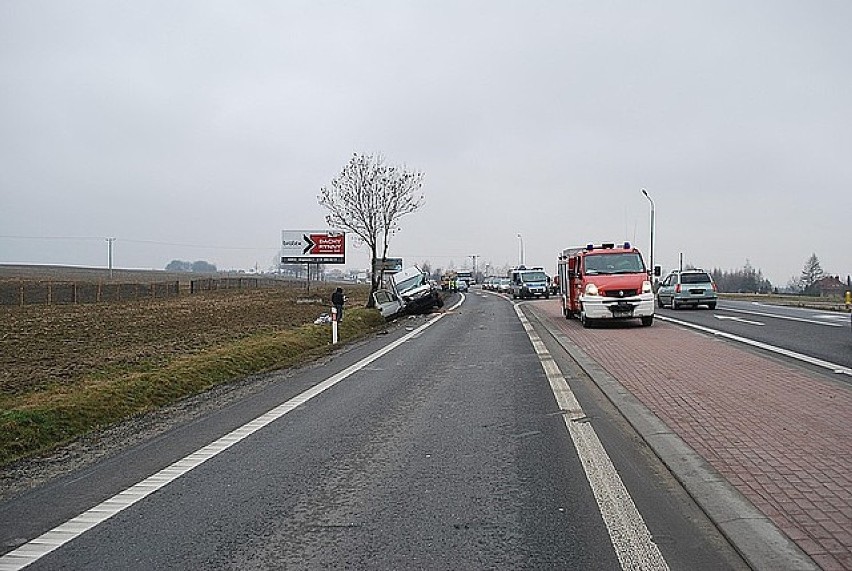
<point x="313" y="247"/>
<point x="390" y="265"/>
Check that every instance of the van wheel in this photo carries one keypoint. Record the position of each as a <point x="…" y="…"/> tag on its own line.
<point x="647" y="320"/>
<point x="587" y="323"/>
<point x="675" y="304"/>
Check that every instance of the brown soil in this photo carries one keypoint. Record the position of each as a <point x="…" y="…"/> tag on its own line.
<point x="48" y="346"/>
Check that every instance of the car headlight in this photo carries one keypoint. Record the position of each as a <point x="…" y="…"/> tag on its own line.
<point x="646" y="287"/>
<point x="591" y="289"/>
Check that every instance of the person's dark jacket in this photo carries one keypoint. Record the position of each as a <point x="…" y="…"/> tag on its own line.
<point x="337" y="298"/>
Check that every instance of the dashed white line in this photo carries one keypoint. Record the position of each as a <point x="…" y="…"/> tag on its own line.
<point x="777" y="316"/>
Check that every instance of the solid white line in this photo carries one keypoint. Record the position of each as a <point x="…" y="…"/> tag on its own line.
<point x="58" y="536"/>
<point x="627" y="530"/>
<point x="833" y="367"/>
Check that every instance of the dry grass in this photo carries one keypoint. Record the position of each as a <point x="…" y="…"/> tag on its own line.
<point x="67" y="369"/>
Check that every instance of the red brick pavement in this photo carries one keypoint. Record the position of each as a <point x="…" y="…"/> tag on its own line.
<point x="781" y="435"/>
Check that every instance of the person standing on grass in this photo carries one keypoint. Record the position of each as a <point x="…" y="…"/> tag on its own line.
<point x="337" y="300"/>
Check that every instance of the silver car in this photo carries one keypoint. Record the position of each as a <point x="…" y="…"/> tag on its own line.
<point x="687" y="287"/>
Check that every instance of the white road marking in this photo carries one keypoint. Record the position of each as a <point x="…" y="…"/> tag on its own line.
<point x="627" y="530"/>
<point x="34" y="550"/>
<point x="833" y="367"/>
<point x="740" y="319"/>
<point x="776" y="316"/>
<point x="843" y="318"/>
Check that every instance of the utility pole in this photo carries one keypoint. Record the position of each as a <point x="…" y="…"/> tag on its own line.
<point x="110" y="241"/>
<point x="474" y="256"/>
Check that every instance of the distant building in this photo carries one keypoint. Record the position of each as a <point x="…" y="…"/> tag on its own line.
<point x="829" y="286"/>
<point x="335" y="274"/>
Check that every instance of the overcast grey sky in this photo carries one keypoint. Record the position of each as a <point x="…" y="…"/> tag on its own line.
<point x="202" y="129"/>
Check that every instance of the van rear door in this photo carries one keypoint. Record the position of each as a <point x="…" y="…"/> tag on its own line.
<point x="387" y="303"/>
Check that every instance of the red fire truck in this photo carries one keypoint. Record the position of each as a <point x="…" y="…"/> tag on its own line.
<point x="605" y="282"/>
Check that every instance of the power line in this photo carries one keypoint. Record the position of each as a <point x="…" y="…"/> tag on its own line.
<point x="133" y="241"/>
<point x="54" y="237"/>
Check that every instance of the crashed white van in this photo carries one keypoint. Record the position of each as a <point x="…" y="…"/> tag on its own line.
<point x="408" y="291"/>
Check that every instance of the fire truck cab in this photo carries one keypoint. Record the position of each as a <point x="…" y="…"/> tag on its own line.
<point x="605" y="282"/>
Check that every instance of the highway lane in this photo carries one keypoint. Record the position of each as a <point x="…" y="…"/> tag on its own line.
<point x="448" y="451"/>
<point x="822" y="335"/>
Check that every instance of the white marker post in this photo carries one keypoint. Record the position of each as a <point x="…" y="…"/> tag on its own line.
<point x="334" y="326"/>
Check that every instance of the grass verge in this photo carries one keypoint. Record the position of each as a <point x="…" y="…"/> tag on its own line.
<point x="34" y="422"/>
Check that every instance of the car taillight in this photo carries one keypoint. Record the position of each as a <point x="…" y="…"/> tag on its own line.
<point x="677" y="288"/>
<point x="714" y="286"/>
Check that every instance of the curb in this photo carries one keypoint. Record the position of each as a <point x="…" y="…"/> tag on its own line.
<point x="753" y="534"/>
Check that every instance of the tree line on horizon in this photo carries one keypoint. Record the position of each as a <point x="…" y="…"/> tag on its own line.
<point x="196" y="267"/>
<point x="750" y="280"/>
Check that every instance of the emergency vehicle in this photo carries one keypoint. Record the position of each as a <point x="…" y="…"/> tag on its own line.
<point x="605" y="282"/>
<point x="466" y="276"/>
<point x="528" y="282"/>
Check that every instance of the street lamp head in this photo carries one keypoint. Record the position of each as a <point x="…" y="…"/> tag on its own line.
<point x="645" y="192"/>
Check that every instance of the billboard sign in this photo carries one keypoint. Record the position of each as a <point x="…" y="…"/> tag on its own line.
<point x="313" y="247"/>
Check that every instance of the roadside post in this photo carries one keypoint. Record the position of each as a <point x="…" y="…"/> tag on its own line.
<point x="848" y="300"/>
<point x="334" y="325"/>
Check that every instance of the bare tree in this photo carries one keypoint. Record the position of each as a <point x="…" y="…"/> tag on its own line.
<point x="368" y="198"/>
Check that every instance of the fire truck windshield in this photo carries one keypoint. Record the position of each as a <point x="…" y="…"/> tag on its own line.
<point x="622" y="263"/>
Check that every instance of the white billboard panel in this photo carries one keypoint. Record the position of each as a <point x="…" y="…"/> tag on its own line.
<point x="313" y="247"/>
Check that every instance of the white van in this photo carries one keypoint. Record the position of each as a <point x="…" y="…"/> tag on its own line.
<point x="531" y="282"/>
<point x="408" y="291"/>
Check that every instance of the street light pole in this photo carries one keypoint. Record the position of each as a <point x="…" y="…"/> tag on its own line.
<point x="521" y="256"/>
<point x="474" y="256"/>
<point x="645" y="192"/>
<point x="110" y="241"/>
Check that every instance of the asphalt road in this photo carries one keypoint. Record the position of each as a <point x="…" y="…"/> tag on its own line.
<point x="821" y="335"/>
<point x="447" y="451"/>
